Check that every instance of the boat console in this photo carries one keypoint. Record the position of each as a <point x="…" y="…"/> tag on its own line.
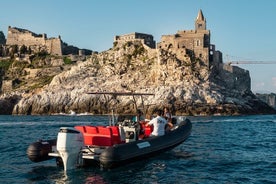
<point x="130" y="130"/>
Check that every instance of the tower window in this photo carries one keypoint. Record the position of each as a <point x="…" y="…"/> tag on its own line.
<point x="197" y="42"/>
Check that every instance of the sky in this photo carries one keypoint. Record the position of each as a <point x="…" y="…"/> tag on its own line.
<point x="243" y="30"/>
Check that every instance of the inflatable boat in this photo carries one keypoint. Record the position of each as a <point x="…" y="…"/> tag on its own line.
<point x="107" y="146"/>
<point x="124" y="141"/>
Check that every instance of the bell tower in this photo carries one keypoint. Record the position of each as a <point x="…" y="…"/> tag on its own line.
<point x="200" y="22"/>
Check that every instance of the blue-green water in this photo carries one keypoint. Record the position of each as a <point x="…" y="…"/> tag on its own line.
<point x="220" y="150"/>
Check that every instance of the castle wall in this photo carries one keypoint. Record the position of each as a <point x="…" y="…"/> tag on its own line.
<point x="54" y="46"/>
<point x="146" y="39"/>
<point x="23" y="37"/>
<point x="235" y="77"/>
<point x="17" y="36"/>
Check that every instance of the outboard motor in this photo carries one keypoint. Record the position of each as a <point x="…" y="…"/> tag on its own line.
<point x="69" y="145"/>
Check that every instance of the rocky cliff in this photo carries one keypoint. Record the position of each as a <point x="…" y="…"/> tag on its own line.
<point x="186" y="86"/>
<point x="270" y="99"/>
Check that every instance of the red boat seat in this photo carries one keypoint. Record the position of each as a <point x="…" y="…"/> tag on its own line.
<point x="103" y="138"/>
<point x="91" y="129"/>
<point x="116" y="135"/>
<point x="145" y="129"/>
<point x="88" y="133"/>
<point x="100" y="135"/>
<point x="80" y="128"/>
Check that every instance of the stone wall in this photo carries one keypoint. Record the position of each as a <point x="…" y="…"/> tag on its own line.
<point x="146" y="39"/>
<point x="54" y="46"/>
<point x="193" y="40"/>
<point x="37" y="42"/>
<point x="235" y="77"/>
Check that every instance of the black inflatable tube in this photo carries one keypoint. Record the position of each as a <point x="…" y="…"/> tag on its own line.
<point x="38" y="151"/>
<point x="119" y="155"/>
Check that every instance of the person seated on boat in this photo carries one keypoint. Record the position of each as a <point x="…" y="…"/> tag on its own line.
<point x="158" y="123"/>
<point x="168" y="116"/>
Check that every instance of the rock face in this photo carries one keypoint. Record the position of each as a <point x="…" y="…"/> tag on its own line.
<point x="270" y="99"/>
<point x="185" y="86"/>
<point x="7" y="103"/>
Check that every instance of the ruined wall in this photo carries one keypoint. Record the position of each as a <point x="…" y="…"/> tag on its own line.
<point x="235" y="77"/>
<point x="17" y="36"/>
<point x="36" y="42"/>
<point x="54" y="46"/>
<point x="146" y="39"/>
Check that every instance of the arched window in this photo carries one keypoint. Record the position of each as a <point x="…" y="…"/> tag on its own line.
<point x="197" y="42"/>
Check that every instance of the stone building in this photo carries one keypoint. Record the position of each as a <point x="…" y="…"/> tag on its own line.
<point x="36" y="42"/>
<point x="146" y="39"/>
<point x="195" y="43"/>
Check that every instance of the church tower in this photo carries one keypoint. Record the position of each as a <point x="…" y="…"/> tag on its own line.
<point x="200" y="22"/>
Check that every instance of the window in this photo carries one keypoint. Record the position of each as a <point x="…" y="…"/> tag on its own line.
<point x="197" y="42"/>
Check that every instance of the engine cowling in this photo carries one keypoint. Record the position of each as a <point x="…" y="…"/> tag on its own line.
<point x="69" y="145"/>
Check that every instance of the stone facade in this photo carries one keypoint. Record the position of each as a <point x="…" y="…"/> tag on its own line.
<point x="196" y="42"/>
<point x="146" y="39"/>
<point x="36" y="42"/>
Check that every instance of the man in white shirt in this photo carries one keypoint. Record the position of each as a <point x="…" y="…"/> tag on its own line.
<point x="159" y="124"/>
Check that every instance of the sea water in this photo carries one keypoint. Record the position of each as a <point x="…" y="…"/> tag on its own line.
<point x="239" y="149"/>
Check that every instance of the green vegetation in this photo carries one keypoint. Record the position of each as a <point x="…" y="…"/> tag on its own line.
<point x="115" y="44"/>
<point x="5" y="64"/>
<point x="42" y="82"/>
<point x="127" y="44"/>
<point x="39" y="55"/>
<point x="17" y="83"/>
<point x="2" y="38"/>
<point x="13" y="51"/>
<point x="38" y="58"/>
<point x="67" y="61"/>
<point x="21" y="64"/>
<point x="23" y="49"/>
<point x="139" y="49"/>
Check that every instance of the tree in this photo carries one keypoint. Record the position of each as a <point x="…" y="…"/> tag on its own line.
<point x="2" y="38"/>
<point x="23" y="49"/>
<point x="13" y="50"/>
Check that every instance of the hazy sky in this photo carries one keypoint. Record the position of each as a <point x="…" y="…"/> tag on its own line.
<point x="240" y="29"/>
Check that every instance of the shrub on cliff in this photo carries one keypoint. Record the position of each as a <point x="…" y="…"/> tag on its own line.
<point x="5" y="64"/>
<point x="67" y="61"/>
<point x="2" y="38"/>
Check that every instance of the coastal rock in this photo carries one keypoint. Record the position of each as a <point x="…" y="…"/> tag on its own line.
<point x="186" y="89"/>
<point x="7" y="103"/>
<point x="270" y="99"/>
